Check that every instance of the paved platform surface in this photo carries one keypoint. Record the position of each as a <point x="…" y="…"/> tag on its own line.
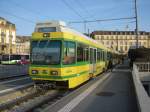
<point x="115" y="94"/>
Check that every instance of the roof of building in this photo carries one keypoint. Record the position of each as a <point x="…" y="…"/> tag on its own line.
<point x="7" y="22"/>
<point x="23" y="38"/>
<point x="119" y="33"/>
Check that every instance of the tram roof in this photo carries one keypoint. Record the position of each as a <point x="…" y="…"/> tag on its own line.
<point x="64" y="32"/>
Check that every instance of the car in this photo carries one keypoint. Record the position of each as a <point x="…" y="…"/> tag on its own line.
<point x="23" y="62"/>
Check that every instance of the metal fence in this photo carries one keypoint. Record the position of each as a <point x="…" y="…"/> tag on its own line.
<point x="13" y="70"/>
<point x="143" y="66"/>
<point x="142" y="96"/>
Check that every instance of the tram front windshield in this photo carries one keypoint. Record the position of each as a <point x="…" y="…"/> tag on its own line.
<point x="45" y="52"/>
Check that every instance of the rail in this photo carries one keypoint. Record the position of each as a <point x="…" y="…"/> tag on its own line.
<point x="143" y="71"/>
<point x="142" y="96"/>
<point x="143" y="66"/>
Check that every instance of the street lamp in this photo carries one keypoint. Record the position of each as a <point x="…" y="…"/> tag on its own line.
<point x="10" y="47"/>
<point x="117" y="38"/>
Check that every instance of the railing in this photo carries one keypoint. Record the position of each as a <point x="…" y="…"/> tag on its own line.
<point x="142" y="96"/>
<point x="143" y="71"/>
<point x="143" y="66"/>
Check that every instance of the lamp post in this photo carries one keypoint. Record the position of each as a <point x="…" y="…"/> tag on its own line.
<point x="10" y="40"/>
<point x="10" y="46"/>
<point x="149" y="41"/>
<point x="117" y="38"/>
<point x="136" y="30"/>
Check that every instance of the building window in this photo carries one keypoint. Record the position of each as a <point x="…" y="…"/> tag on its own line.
<point x="121" y="48"/>
<point x="114" y="38"/>
<point x="121" y="42"/>
<point x="145" y="44"/>
<point x="102" y="42"/>
<point x="111" y="37"/>
<point x="112" y="42"/>
<point x="107" y="38"/>
<point x="133" y="37"/>
<point x="107" y="42"/>
<point x="97" y="37"/>
<point x="126" y="48"/>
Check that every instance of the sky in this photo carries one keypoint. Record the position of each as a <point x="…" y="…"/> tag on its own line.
<point x="26" y="13"/>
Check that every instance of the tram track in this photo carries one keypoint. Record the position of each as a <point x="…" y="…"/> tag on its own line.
<point x="41" y="102"/>
<point x="12" y="77"/>
<point x="15" y="84"/>
<point x="32" y="101"/>
<point x="10" y="103"/>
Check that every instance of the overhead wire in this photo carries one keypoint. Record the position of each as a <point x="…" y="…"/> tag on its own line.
<point x="73" y="10"/>
<point x="27" y="9"/>
<point x="18" y="17"/>
<point x="78" y="2"/>
<point x="100" y="20"/>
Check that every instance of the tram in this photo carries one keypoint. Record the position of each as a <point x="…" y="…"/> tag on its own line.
<point x="63" y="57"/>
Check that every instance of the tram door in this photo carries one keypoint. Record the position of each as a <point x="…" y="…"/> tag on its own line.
<point x="92" y="60"/>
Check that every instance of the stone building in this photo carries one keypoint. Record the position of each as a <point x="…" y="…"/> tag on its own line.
<point x="7" y="37"/>
<point x="23" y="45"/>
<point x="122" y="40"/>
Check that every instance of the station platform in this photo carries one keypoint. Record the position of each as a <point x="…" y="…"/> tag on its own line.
<point x="110" y="92"/>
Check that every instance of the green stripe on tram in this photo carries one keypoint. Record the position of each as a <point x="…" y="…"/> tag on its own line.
<point x="60" y="77"/>
<point x="61" y="66"/>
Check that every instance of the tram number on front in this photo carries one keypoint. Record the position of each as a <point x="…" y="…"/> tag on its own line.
<point x="46" y="34"/>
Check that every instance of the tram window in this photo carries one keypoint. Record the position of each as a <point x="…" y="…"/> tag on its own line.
<point x="91" y="55"/>
<point x="82" y="53"/>
<point x="46" y="53"/>
<point x="86" y="52"/>
<point x="98" y="55"/>
<point x="94" y="55"/>
<point x="47" y="29"/>
<point x="109" y="56"/>
<point x="69" y="53"/>
<point x="103" y="55"/>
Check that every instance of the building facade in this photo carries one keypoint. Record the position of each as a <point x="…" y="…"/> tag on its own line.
<point x="7" y="37"/>
<point x="122" y="41"/>
<point x="23" y="45"/>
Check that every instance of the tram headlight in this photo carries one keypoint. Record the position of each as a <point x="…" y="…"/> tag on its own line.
<point x="54" y="73"/>
<point x="34" y="72"/>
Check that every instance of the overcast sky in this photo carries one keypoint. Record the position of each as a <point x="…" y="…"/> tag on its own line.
<point x="26" y="13"/>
